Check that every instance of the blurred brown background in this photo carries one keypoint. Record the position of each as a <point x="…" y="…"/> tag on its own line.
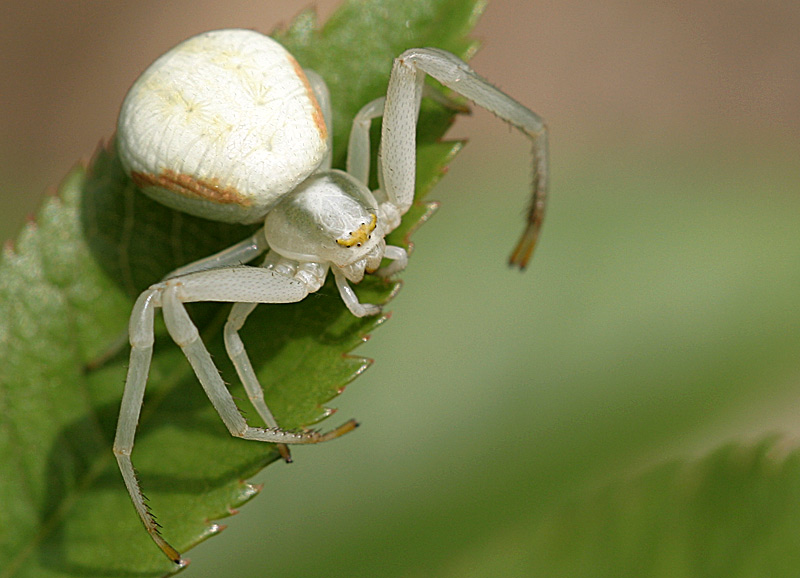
<point x="659" y="312"/>
<point x="649" y="73"/>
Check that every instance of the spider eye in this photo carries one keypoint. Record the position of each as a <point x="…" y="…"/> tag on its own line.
<point x="356" y="238"/>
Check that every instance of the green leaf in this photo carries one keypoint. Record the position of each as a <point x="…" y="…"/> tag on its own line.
<point x="66" y="289"/>
<point x="735" y="512"/>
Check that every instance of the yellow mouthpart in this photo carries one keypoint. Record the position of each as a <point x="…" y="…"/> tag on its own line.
<point x="360" y="235"/>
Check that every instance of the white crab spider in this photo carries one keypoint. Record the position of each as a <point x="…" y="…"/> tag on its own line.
<point x="229" y="127"/>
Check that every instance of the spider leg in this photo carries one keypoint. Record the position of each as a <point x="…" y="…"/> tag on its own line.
<point x="398" y="139"/>
<point x="358" y="147"/>
<point x="351" y="299"/>
<point x="238" y="285"/>
<point x="239" y="254"/>
<point x="232" y="284"/>
<point x="238" y="355"/>
<point x="399" y="258"/>
<point x="141" y="339"/>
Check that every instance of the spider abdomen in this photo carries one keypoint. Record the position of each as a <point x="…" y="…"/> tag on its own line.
<point x="222" y="126"/>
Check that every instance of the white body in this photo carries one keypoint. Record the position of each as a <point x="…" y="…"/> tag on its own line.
<point x="222" y="126"/>
<point x="227" y="126"/>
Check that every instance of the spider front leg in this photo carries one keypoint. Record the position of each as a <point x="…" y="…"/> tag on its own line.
<point x="203" y="287"/>
<point x="141" y="339"/>
<point x="398" y="137"/>
<point x="242" y="252"/>
<point x="233" y="284"/>
<point x="358" y="147"/>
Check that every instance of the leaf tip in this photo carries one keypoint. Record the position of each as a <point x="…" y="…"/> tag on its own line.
<point x="247" y="492"/>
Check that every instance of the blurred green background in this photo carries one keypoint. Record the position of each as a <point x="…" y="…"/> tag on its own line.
<point x="658" y="320"/>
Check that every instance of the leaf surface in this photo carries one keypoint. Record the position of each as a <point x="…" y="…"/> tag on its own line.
<point x="66" y="289"/>
<point x="734" y="512"/>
